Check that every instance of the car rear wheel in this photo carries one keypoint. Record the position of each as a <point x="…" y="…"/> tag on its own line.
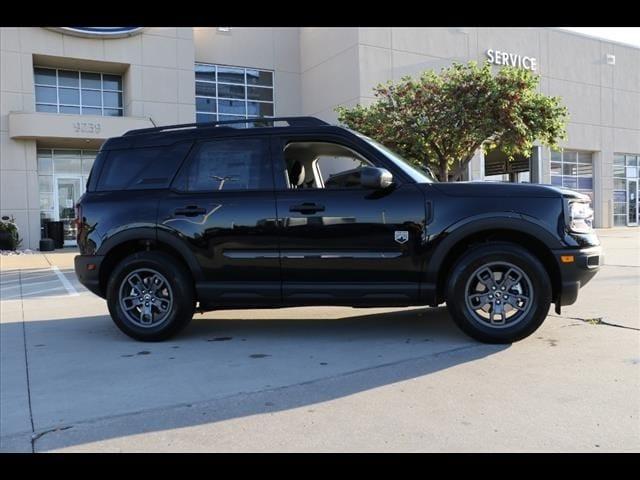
<point x="498" y="293"/>
<point x="150" y="296"/>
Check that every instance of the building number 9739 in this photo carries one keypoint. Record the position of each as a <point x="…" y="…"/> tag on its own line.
<point x="86" y="127"/>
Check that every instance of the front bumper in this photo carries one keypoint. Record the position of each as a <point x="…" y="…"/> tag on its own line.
<point x="576" y="274"/>
<point x="90" y="278"/>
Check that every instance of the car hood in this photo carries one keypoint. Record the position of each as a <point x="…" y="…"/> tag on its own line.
<point x="504" y="189"/>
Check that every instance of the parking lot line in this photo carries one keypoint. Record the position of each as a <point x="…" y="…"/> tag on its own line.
<point x="31" y="284"/>
<point x="67" y="285"/>
<point x="47" y="280"/>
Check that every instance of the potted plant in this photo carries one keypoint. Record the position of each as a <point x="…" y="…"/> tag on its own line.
<point x="9" y="236"/>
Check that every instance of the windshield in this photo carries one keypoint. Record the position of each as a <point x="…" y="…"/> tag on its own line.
<point x="417" y="174"/>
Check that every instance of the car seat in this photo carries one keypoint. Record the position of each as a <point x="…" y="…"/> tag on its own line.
<point x="296" y="174"/>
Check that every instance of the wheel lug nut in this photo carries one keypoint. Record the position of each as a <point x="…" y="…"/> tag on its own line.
<point x="493" y="288"/>
<point x="498" y="302"/>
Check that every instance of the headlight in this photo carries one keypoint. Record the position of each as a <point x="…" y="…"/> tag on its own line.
<point x="580" y="217"/>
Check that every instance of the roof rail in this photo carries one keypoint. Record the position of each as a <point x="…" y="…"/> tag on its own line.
<point x="292" y="121"/>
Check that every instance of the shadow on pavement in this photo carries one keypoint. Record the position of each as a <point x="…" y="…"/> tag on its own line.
<point x="84" y="370"/>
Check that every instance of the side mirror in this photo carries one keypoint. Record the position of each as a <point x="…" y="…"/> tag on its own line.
<point x="375" y="178"/>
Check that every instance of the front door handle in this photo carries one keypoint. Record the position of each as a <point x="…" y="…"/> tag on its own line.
<point x="306" y="208"/>
<point x="190" y="211"/>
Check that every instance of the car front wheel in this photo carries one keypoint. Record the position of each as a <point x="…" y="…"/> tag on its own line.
<point x="498" y="293"/>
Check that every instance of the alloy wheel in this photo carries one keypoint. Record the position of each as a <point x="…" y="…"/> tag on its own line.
<point x="146" y="297"/>
<point x="499" y="294"/>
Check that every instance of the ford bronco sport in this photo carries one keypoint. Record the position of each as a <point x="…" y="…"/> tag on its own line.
<point x="287" y="212"/>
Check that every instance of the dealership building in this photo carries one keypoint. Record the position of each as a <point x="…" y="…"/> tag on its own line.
<point x="64" y="91"/>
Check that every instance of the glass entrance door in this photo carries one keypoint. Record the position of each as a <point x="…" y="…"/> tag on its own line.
<point x="68" y="190"/>
<point x="632" y="203"/>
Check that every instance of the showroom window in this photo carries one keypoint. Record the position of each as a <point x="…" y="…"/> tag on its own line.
<point x="62" y="178"/>
<point x="78" y="92"/>
<point x="230" y="93"/>
<point x="573" y="169"/>
<point x="626" y="181"/>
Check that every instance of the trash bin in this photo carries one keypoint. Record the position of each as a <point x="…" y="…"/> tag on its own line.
<point x="47" y="245"/>
<point x="55" y="230"/>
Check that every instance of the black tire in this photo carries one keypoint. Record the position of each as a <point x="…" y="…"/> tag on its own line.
<point x="461" y="293"/>
<point x="182" y="296"/>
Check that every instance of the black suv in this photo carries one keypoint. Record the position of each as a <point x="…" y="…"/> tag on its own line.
<point x="293" y="211"/>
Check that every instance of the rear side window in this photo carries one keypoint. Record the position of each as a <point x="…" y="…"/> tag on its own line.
<point x="141" y="168"/>
<point x="95" y="168"/>
<point x="231" y="164"/>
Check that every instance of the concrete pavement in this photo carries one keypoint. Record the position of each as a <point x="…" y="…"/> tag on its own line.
<point x="318" y="379"/>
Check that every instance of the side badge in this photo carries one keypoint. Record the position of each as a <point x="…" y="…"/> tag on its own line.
<point x="401" y="236"/>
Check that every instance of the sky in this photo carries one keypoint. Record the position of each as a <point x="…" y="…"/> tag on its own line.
<point x="629" y="35"/>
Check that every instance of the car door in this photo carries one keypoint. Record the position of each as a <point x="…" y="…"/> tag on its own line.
<point x="222" y="204"/>
<point x="351" y="245"/>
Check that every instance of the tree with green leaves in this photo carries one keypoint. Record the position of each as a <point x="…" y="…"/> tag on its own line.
<point x="441" y="120"/>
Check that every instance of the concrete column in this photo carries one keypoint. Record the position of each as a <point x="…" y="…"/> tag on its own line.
<point x="603" y="188"/>
<point x="476" y="167"/>
<point x="545" y="165"/>
<point x="603" y="179"/>
<point x="19" y="193"/>
<point x="535" y="165"/>
<point x="32" y="237"/>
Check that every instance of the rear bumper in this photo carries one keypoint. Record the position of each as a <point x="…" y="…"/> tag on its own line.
<point x="89" y="278"/>
<point x="576" y="274"/>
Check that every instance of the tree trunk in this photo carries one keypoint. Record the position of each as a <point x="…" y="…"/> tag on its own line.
<point x="444" y="171"/>
<point x="459" y="171"/>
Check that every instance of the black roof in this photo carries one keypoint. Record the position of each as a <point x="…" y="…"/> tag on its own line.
<point x="169" y="134"/>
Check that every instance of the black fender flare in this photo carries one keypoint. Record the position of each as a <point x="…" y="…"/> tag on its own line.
<point x="154" y="234"/>
<point x="486" y="222"/>
<point x="119" y="237"/>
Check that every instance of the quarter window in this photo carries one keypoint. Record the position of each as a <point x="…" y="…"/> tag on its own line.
<point x="234" y="164"/>
<point x="141" y="168"/>
<point x="77" y="92"/>
<point x="231" y="93"/>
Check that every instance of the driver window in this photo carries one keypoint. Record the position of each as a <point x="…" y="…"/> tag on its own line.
<point x="322" y="165"/>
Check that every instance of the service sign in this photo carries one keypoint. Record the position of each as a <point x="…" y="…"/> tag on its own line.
<point x="99" y="32"/>
<point x="497" y="57"/>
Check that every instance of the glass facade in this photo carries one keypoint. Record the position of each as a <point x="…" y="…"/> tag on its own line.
<point x="62" y="178"/>
<point x="76" y="92"/>
<point x="626" y="173"/>
<point x="573" y="169"/>
<point x="230" y="93"/>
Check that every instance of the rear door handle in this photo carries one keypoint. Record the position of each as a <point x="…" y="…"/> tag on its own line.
<point x="307" y="208"/>
<point x="190" y="211"/>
